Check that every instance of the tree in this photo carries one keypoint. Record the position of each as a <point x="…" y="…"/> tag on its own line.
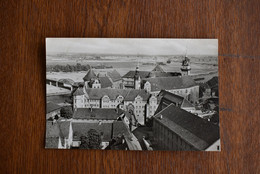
<point x="91" y="141"/>
<point x="66" y="112"/>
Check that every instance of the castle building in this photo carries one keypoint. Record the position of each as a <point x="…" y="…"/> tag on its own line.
<point x="138" y="102"/>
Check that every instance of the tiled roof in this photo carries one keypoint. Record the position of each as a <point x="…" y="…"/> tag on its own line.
<point x="114" y="75"/>
<point x="213" y="82"/>
<point x="131" y="74"/>
<point x="64" y="128"/>
<point x="97" y="113"/>
<point x="167" y="83"/>
<point x="52" y="129"/>
<point x="128" y="94"/>
<point x="81" y="129"/>
<point x="105" y="82"/>
<point x="158" y="68"/>
<point x="90" y="74"/>
<point x="52" y="142"/>
<point x="173" y="98"/>
<point x="79" y="91"/>
<point x="120" y="128"/>
<point x="196" y="131"/>
<point x="50" y="107"/>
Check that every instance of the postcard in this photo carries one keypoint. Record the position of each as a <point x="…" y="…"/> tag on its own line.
<point x="132" y="94"/>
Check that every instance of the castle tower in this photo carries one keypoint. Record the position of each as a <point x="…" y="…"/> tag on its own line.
<point x="185" y="69"/>
<point x="137" y="79"/>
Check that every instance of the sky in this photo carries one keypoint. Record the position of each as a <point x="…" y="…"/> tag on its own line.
<point x="126" y="46"/>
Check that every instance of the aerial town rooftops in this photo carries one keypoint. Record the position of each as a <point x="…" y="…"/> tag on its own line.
<point x="81" y="129"/>
<point x="194" y="130"/>
<point x="106" y="130"/>
<point x="97" y="113"/>
<point x="128" y="94"/>
<point x="167" y="83"/>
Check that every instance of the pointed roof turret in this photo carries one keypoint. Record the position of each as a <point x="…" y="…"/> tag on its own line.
<point x="90" y="75"/>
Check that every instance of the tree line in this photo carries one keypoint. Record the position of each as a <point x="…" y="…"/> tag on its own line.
<point x="67" y="68"/>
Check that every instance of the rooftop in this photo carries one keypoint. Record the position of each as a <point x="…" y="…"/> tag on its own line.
<point x="128" y="94"/>
<point x="97" y="113"/>
<point x="50" y="107"/>
<point x="196" y="131"/>
<point x="167" y="83"/>
<point x="114" y="75"/>
<point x="90" y="74"/>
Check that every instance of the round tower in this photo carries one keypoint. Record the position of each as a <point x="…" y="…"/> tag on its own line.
<point x="185" y="69"/>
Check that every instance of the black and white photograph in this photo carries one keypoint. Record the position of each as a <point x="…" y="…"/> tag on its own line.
<point x="132" y="94"/>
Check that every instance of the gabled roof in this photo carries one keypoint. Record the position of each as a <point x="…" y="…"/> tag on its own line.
<point x="50" y="107"/>
<point x="128" y="94"/>
<point x="105" y="82"/>
<point x="213" y="82"/>
<point x="97" y="113"/>
<point x="81" y="129"/>
<point x="158" y="68"/>
<point x="186" y="104"/>
<point x="79" y="91"/>
<point x="114" y="75"/>
<point x="120" y="128"/>
<point x="173" y="98"/>
<point x="90" y="74"/>
<point x="131" y="74"/>
<point x="194" y="130"/>
<point x="167" y="83"/>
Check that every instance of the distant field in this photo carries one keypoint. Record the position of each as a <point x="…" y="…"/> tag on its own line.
<point x="199" y="65"/>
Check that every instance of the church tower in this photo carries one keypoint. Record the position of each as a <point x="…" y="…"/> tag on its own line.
<point x="137" y="79"/>
<point x="185" y="69"/>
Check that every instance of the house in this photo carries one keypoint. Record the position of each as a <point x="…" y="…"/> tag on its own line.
<point x="52" y="110"/>
<point x="129" y="79"/>
<point x="181" y="85"/>
<point x="166" y="98"/>
<point x="177" y="129"/>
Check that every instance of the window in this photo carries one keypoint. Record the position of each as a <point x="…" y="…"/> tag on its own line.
<point x="218" y="148"/>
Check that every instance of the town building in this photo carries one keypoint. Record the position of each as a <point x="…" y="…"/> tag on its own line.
<point x="166" y="98"/>
<point x="177" y="129"/>
<point x="184" y="86"/>
<point x="133" y="78"/>
<point x="138" y="102"/>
